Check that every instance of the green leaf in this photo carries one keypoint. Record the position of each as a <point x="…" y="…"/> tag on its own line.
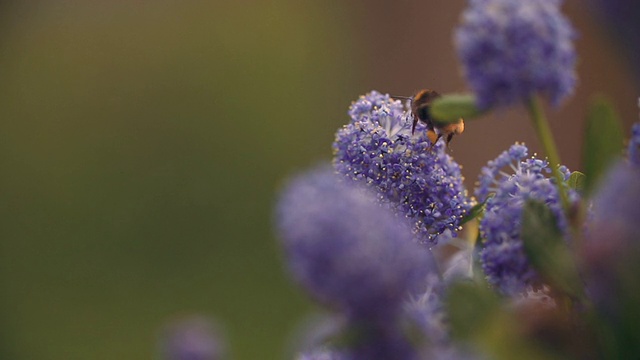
<point x="603" y="141"/>
<point x="577" y="181"/>
<point x="470" y="307"/>
<point x="546" y="250"/>
<point x="451" y="107"/>
<point x="473" y="213"/>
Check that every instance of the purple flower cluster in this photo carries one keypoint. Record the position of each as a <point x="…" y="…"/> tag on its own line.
<point x="422" y="183"/>
<point x="348" y="250"/>
<point x="616" y="202"/>
<point x="503" y="259"/>
<point x="610" y="253"/>
<point x="511" y="49"/>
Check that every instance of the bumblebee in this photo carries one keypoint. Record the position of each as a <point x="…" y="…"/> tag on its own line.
<point x="420" y="104"/>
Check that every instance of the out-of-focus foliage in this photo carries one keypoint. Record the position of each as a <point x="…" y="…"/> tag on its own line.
<point x="603" y="141"/>
<point x="140" y="146"/>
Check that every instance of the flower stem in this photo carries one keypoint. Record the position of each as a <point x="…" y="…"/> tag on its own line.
<point x="541" y="125"/>
<point x="543" y="130"/>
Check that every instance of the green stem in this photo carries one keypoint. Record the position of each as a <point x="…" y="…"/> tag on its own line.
<point x="541" y="125"/>
<point x="543" y="130"/>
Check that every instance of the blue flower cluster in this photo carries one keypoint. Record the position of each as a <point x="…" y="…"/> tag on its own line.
<point x="348" y="244"/>
<point x="353" y="253"/>
<point x="616" y="203"/>
<point x="348" y="250"/>
<point x="612" y="248"/>
<point x="512" y="49"/>
<point x="503" y="259"/>
<point x="422" y="182"/>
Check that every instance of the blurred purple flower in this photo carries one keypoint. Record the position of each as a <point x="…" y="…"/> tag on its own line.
<point x="368" y="341"/>
<point x="192" y="339"/>
<point x="503" y="259"/>
<point x="615" y="207"/>
<point x="355" y="340"/>
<point x="427" y="311"/>
<point x="382" y="343"/>
<point x="315" y="331"/>
<point x="511" y="49"/>
<point x="377" y="148"/>
<point x="611" y="255"/>
<point x="347" y="249"/>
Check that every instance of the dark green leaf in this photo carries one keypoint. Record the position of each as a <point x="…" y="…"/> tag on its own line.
<point x="603" y="141"/>
<point x="451" y="107"/>
<point x="577" y="181"/>
<point x="546" y="250"/>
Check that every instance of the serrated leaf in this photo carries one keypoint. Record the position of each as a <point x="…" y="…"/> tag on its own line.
<point x="577" y="181"/>
<point x="603" y="141"/>
<point x="546" y="250"/>
<point x="452" y="107"/>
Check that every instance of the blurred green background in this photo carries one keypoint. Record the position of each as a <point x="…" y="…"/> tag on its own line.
<point x="142" y="144"/>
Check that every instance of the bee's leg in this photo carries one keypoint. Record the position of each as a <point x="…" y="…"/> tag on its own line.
<point x="433" y="138"/>
<point x="415" y="122"/>
<point x="449" y="137"/>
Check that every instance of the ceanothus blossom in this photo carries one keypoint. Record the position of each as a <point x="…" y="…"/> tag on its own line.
<point x="347" y="249"/>
<point x="513" y="49"/>
<point x="502" y="256"/>
<point x="421" y="182"/>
